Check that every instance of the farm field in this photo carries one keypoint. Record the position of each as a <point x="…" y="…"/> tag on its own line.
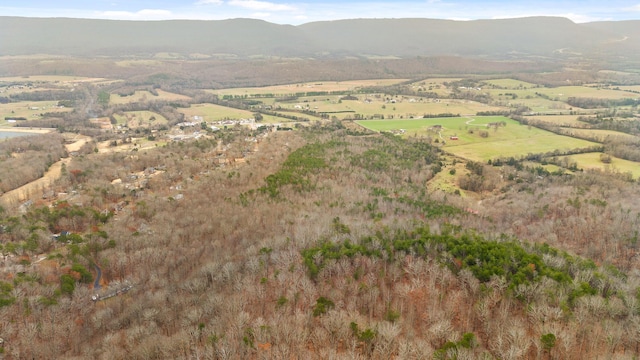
<point x="283" y="90"/>
<point x="635" y="88"/>
<point x="29" y="109"/>
<point x="403" y="108"/>
<point x="50" y="78"/>
<point x="526" y="97"/>
<point x="449" y="125"/>
<point x="600" y="135"/>
<point x="510" y="84"/>
<point x="562" y="93"/>
<point x="592" y="161"/>
<point x="137" y="119"/>
<point x="511" y="140"/>
<point x="142" y="95"/>
<point x="560" y="120"/>
<point x="212" y="112"/>
<point x="435" y="85"/>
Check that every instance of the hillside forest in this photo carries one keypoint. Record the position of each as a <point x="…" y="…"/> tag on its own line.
<point x="447" y="215"/>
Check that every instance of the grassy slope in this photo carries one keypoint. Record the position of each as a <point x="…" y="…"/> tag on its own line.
<point x="592" y="161"/>
<point x="512" y="140"/>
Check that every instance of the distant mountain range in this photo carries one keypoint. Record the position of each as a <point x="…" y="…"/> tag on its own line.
<point x="548" y="37"/>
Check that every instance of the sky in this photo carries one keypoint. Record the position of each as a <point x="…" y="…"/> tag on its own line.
<point x="299" y="12"/>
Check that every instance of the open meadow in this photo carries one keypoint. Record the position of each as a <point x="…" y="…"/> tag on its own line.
<point x="593" y="161"/>
<point x="212" y="112"/>
<point x="143" y="95"/>
<point x="51" y="79"/>
<point x="138" y="119"/>
<point x="28" y="110"/>
<point x="397" y="107"/>
<point x="562" y="93"/>
<point x="560" y="120"/>
<point x="475" y="140"/>
<point x="434" y="85"/>
<point x="510" y="84"/>
<point x="599" y="135"/>
<point x="318" y="86"/>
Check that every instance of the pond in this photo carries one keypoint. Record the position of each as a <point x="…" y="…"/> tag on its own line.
<point x="12" y="134"/>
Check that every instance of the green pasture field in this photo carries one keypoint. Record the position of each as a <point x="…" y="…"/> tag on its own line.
<point x="527" y="98"/>
<point x="289" y="89"/>
<point x="404" y="108"/>
<point x="510" y="84"/>
<point x="559" y="120"/>
<point x="212" y="112"/>
<point x="592" y="161"/>
<point x="511" y="140"/>
<point x="549" y="167"/>
<point x="136" y="119"/>
<point x="6" y="91"/>
<point x="600" y="135"/>
<point x="143" y="95"/>
<point x="29" y="109"/>
<point x="435" y="85"/>
<point x="444" y="181"/>
<point x="562" y="93"/>
<point x="543" y="105"/>
<point x="277" y="119"/>
<point x="557" y="96"/>
<point x="449" y="125"/>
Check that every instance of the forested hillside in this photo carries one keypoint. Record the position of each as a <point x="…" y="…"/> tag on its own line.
<point x="510" y="38"/>
<point x="324" y="242"/>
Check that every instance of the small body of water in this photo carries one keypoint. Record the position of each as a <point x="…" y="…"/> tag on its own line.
<point x="11" y="134"/>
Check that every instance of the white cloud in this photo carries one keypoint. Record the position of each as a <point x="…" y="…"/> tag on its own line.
<point x="633" y="8"/>
<point x="261" y="5"/>
<point x="580" y="18"/>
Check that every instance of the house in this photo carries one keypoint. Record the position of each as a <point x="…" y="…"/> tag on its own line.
<point x="453" y="138"/>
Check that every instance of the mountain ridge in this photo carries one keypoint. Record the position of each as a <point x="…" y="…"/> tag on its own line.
<point x="245" y="38"/>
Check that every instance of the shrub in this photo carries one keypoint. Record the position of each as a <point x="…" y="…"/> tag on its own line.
<point x="322" y="306"/>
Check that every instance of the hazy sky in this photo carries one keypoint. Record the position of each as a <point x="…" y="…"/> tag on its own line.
<point x="297" y="12"/>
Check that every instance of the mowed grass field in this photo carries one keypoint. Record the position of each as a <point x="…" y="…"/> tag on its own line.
<point x="284" y="90"/>
<point x="141" y="95"/>
<point x="592" y="161"/>
<point x="511" y="140"/>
